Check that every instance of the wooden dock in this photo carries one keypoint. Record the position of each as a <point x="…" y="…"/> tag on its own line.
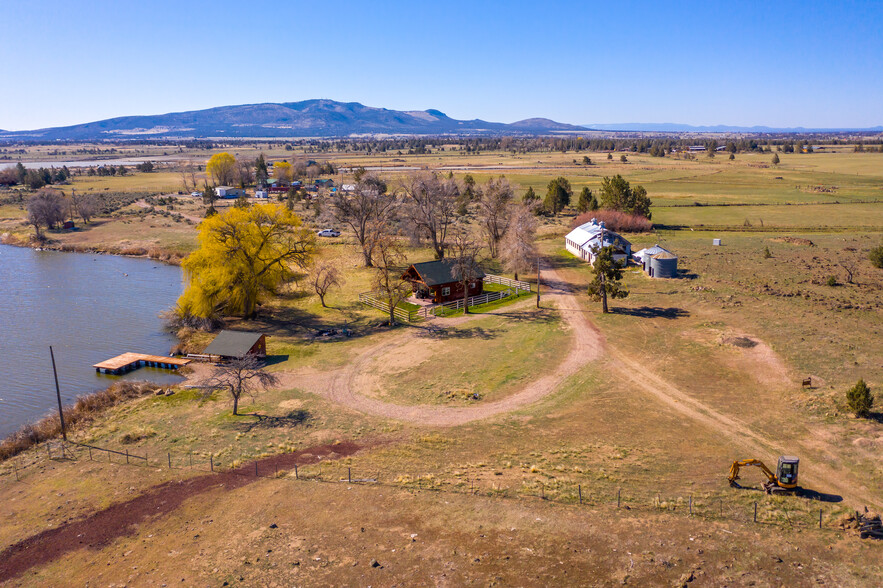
<point x="132" y="361"/>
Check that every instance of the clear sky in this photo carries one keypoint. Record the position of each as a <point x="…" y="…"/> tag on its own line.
<point x="811" y="63"/>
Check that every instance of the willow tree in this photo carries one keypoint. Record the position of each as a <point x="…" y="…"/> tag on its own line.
<point x="222" y="168"/>
<point x="243" y="254"/>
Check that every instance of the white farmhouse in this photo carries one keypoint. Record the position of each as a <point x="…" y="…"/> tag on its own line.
<point x="585" y="241"/>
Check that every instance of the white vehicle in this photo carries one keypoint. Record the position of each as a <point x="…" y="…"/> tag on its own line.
<point x="328" y="233"/>
<point x="196" y="194"/>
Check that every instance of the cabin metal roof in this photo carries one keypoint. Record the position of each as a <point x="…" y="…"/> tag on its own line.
<point x="441" y="271"/>
<point x="233" y="343"/>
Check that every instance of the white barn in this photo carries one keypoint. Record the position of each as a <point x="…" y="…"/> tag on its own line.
<point x="585" y="241"/>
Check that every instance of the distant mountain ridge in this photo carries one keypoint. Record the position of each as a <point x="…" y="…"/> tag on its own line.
<point x="684" y="128"/>
<point x="309" y="118"/>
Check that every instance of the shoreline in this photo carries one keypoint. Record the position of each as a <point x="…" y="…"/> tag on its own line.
<point x="155" y="254"/>
<point x="83" y="410"/>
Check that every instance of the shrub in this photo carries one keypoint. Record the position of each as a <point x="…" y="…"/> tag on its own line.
<point x="860" y="399"/>
<point x="621" y="222"/>
<point x="82" y="411"/>
<point x="876" y="256"/>
<point x="832" y="281"/>
<point x="766" y="253"/>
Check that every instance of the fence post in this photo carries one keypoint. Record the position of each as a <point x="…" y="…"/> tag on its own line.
<point x="618" y="497"/>
<point x="295" y="473"/>
<point x="755" y="512"/>
<point x="722" y="506"/>
<point x="15" y="467"/>
<point x="170" y="461"/>
<point x="49" y="450"/>
<point x="256" y="469"/>
<point x="211" y="462"/>
<point x="90" y="453"/>
<point x="349" y="475"/>
<point x="191" y="460"/>
<point x="820" y="518"/>
<point x="127" y="457"/>
<point x="580" y="490"/>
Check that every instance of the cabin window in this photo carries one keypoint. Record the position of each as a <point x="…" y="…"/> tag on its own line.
<point x="446" y="291"/>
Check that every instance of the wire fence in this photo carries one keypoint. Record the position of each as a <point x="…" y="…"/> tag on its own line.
<point x="767" y="510"/>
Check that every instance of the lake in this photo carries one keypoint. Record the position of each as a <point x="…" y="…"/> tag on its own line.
<point x="89" y="307"/>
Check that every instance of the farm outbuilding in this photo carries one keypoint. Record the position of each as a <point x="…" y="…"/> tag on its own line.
<point x="436" y="280"/>
<point x="229" y="192"/>
<point x="658" y="262"/>
<point x="585" y="241"/>
<point x="233" y="344"/>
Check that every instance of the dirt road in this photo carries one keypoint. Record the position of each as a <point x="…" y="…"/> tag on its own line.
<point x="344" y="385"/>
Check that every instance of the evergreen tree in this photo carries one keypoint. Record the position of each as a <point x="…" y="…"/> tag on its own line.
<point x="558" y="195"/>
<point x="860" y="399"/>
<point x="587" y="201"/>
<point x="775" y="159"/>
<point x="530" y="196"/>
<point x="607" y="278"/>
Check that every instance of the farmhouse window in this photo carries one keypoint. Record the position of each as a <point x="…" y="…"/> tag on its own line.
<point x="446" y="291"/>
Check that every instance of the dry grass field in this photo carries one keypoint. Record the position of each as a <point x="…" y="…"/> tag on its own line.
<point x="649" y="404"/>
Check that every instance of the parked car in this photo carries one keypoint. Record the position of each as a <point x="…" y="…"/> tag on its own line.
<point x="196" y="194"/>
<point x="328" y="233"/>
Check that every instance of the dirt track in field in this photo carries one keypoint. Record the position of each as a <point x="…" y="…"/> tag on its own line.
<point x="100" y="528"/>
<point x="344" y="385"/>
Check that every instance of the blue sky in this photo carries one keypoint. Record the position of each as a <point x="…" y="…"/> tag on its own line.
<point x="814" y="64"/>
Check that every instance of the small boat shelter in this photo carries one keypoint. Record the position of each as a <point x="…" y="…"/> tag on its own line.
<point x="234" y="344"/>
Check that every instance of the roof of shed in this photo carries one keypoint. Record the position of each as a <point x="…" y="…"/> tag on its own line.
<point x="664" y="255"/>
<point x="233" y="343"/>
<point x="438" y="272"/>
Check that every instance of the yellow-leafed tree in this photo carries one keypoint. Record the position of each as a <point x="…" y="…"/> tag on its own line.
<point x="243" y="254"/>
<point x="282" y="171"/>
<point x="222" y="168"/>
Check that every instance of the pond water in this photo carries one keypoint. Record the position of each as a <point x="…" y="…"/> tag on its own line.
<point x="90" y="308"/>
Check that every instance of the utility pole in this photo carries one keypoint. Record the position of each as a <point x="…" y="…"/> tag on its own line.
<point x="538" y="282"/>
<point x="58" y="395"/>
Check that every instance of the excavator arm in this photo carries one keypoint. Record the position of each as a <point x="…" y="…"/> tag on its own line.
<point x="738" y="465"/>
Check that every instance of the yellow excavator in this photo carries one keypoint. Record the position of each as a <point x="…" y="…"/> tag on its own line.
<point x="784" y="481"/>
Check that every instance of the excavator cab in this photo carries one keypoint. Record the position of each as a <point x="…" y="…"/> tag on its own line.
<point x="786" y="471"/>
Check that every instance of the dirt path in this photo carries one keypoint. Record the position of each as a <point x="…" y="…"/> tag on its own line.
<point x="122" y="519"/>
<point x="344" y="385"/>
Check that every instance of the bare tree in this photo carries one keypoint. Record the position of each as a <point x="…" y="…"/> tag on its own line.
<point x="849" y="266"/>
<point x="244" y="172"/>
<point x="431" y="207"/>
<point x="388" y="260"/>
<point x="493" y="213"/>
<point x="370" y="212"/>
<point x="45" y="208"/>
<point x="517" y="248"/>
<point x="86" y="205"/>
<point x="323" y="277"/>
<point x="242" y="375"/>
<point x="464" y="265"/>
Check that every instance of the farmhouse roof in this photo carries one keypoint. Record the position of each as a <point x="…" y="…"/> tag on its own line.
<point x="594" y="235"/>
<point x="233" y="343"/>
<point x="438" y="272"/>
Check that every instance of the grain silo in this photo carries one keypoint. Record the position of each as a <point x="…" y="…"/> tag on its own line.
<point x="663" y="265"/>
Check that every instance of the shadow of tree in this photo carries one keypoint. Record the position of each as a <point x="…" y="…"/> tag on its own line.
<point x="274" y="359"/>
<point x="434" y="331"/>
<point x="652" y="312"/>
<point x="292" y="419"/>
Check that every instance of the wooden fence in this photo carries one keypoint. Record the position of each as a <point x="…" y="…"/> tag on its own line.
<point x="372" y="299"/>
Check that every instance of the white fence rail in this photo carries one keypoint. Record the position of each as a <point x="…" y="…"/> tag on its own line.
<point x="517" y="284"/>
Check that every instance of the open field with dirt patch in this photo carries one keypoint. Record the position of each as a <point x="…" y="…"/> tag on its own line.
<point x="649" y="404"/>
